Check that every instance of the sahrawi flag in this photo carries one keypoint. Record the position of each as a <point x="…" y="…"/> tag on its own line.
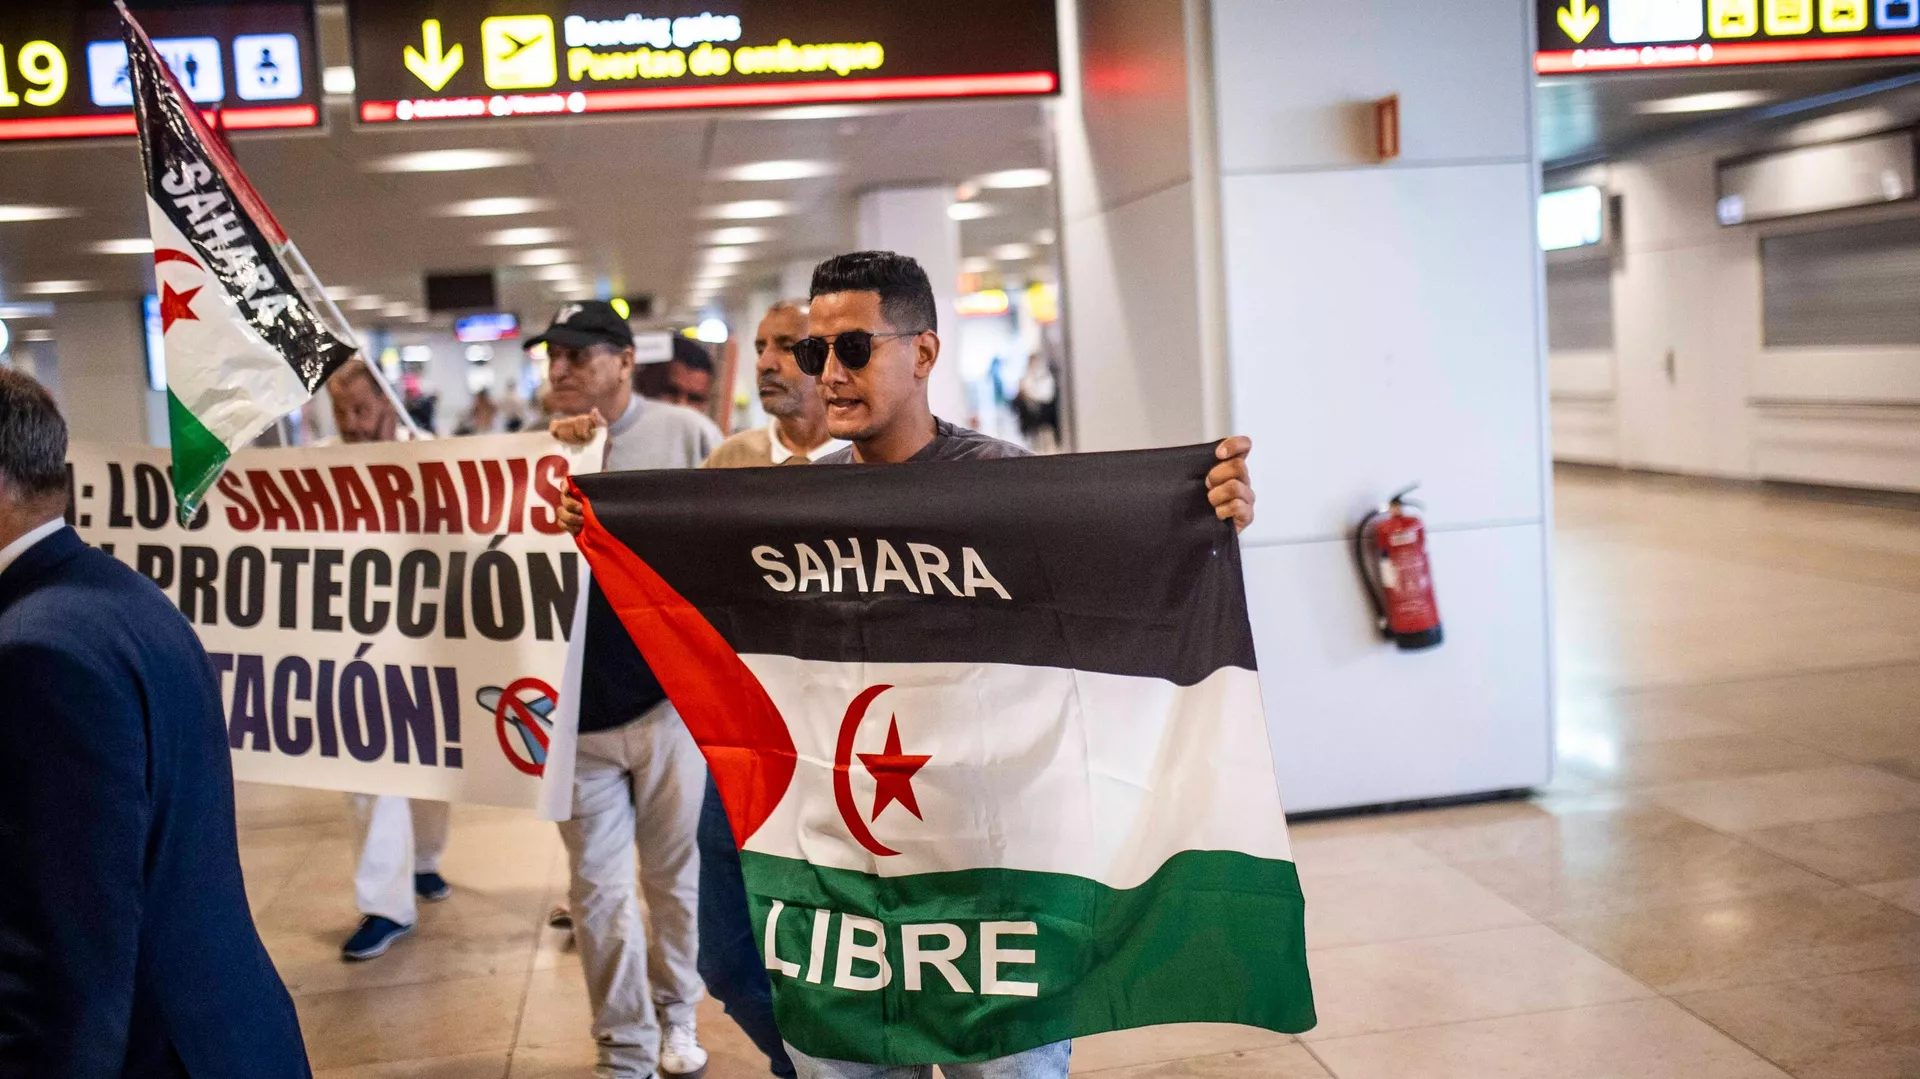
<point x="244" y="346"/>
<point x="989" y="735"/>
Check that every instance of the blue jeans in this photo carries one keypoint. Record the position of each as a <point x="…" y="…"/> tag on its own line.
<point x="730" y="961"/>
<point x="1046" y="1062"/>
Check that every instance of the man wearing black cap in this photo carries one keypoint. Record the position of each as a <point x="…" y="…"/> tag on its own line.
<point x="638" y="777"/>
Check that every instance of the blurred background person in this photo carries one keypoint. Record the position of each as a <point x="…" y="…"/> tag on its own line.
<point x="1038" y="405"/>
<point x="126" y="946"/>
<point x="687" y="379"/>
<point x="401" y="839"/>
<point x="484" y="417"/>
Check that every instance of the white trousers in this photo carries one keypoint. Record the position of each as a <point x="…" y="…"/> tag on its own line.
<point x="398" y="838"/>
<point x="637" y="785"/>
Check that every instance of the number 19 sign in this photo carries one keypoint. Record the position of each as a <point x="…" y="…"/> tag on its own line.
<point x="63" y="68"/>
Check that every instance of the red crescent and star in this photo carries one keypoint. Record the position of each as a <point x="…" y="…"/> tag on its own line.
<point x="174" y="304"/>
<point x="892" y="771"/>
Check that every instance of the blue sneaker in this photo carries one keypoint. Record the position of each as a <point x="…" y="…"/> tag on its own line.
<point x="431" y="887"/>
<point x="373" y="938"/>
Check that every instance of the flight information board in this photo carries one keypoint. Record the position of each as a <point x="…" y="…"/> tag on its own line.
<point x="1641" y="35"/>
<point x="419" y="60"/>
<point x="63" y="67"/>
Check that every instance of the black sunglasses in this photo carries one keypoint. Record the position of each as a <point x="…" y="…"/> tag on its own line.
<point x="854" y="347"/>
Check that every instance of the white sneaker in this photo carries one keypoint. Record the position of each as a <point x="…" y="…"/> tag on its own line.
<point x="680" y="1052"/>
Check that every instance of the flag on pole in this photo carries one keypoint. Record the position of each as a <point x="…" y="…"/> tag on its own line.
<point x="990" y="738"/>
<point x="247" y="339"/>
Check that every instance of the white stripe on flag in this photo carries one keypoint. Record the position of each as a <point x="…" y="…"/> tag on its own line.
<point x="1034" y="768"/>
<point x="221" y="369"/>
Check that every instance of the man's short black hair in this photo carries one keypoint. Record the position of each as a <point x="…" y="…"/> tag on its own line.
<point x="906" y="296"/>
<point x="33" y="438"/>
<point x="692" y="354"/>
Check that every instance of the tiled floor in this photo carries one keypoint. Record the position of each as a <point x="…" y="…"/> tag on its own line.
<point x="1723" y="883"/>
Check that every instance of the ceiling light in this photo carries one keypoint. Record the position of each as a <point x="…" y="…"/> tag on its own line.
<point x="449" y="160"/>
<point x="338" y="81"/>
<point x="976" y="264"/>
<point x="338" y="293"/>
<point x="366" y="303"/>
<point x="56" y="288"/>
<point x="543" y="256"/>
<point x="132" y="245"/>
<point x="718" y="271"/>
<point x="397" y="310"/>
<point x="970" y="211"/>
<point x="820" y="112"/>
<point x="712" y="331"/>
<point x="26" y="310"/>
<point x="738" y="234"/>
<point x="750" y="209"/>
<point x="18" y="212"/>
<point x="1013" y="252"/>
<point x="1009" y="179"/>
<point x="558" y="273"/>
<point x="1045" y="237"/>
<point x="523" y="237"/>
<point x="762" y="171"/>
<point x="37" y="335"/>
<point x="721" y="255"/>
<point x="495" y="207"/>
<point x="1716" y="101"/>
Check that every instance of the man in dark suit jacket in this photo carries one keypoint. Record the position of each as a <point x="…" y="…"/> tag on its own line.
<point x="126" y="948"/>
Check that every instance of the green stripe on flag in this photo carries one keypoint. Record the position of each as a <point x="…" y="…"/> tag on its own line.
<point x="1213" y="936"/>
<point x="198" y="457"/>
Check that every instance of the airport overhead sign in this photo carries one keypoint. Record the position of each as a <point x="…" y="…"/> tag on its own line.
<point x="1579" y="36"/>
<point x="63" y="66"/>
<point x="423" y="60"/>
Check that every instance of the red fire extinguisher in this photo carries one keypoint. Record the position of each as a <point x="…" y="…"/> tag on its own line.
<point x="1390" y="548"/>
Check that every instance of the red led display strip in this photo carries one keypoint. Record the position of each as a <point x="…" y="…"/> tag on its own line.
<point x="708" y="97"/>
<point x="70" y="127"/>
<point x="1719" y="54"/>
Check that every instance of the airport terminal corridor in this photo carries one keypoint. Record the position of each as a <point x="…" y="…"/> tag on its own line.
<point x="1723" y="881"/>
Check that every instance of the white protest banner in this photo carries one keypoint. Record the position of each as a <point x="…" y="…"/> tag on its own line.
<point x="387" y="619"/>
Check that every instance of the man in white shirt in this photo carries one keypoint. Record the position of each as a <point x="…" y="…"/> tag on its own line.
<point x="797" y="432"/>
<point x="638" y="777"/>
<point x="401" y="839"/>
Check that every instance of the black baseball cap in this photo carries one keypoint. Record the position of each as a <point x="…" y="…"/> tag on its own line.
<point x="584" y="324"/>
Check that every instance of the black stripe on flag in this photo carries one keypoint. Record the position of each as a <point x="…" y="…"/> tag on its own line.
<point x="1110" y="562"/>
<point x="196" y="183"/>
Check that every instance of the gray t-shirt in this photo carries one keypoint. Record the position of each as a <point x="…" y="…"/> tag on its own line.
<point x="654" y="435"/>
<point x="951" y="442"/>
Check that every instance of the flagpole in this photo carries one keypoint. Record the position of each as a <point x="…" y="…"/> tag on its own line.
<point x="292" y="254"/>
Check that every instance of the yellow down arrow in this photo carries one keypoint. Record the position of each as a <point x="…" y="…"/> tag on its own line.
<point x="1577" y="19"/>
<point x="434" y="67"/>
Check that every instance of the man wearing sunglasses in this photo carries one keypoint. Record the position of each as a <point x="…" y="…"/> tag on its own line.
<point x="873" y="325"/>
<point x="872" y="344"/>
<point x="638" y="777"/>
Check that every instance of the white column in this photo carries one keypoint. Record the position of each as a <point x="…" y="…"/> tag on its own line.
<point x="914" y="221"/>
<point x="1236" y="262"/>
<point x="103" y="373"/>
<point x="796" y="278"/>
